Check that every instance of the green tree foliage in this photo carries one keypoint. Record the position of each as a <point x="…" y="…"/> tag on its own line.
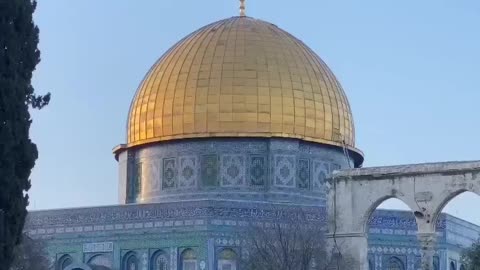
<point x="30" y="254"/>
<point x="471" y="257"/>
<point x="19" y="56"/>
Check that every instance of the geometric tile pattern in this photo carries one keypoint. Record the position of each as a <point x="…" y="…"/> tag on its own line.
<point x="209" y="170"/>
<point x="197" y="164"/>
<point x="258" y="170"/>
<point x="169" y="173"/>
<point x="284" y="170"/>
<point x="232" y="170"/>
<point x="187" y="171"/>
<point x="320" y="172"/>
<point x="303" y="174"/>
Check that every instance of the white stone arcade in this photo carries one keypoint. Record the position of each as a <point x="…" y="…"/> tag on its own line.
<point x="426" y="188"/>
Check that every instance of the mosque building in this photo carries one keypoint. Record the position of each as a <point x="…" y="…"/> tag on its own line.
<point x="239" y="122"/>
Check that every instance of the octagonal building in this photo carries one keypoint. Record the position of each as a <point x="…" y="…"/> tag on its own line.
<point x="239" y="123"/>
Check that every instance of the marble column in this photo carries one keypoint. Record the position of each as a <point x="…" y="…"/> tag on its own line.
<point x="427" y="249"/>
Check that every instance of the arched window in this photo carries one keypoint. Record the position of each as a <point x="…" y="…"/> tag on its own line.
<point x="452" y="266"/>
<point x="64" y="261"/>
<point x="159" y="261"/>
<point x="227" y="260"/>
<point x="130" y="261"/>
<point x="395" y="264"/>
<point x="189" y="260"/>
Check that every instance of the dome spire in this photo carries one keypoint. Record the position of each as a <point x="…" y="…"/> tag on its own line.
<point x="242" y="8"/>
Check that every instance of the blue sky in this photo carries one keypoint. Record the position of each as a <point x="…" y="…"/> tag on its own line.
<point x="410" y="69"/>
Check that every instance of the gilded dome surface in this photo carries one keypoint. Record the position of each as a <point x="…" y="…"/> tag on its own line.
<point x="240" y="77"/>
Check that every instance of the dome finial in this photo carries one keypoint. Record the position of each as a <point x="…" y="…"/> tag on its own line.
<point x="242" y="8"/>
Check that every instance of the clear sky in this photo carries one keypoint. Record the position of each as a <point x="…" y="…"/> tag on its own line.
<point x="410" y="69"/>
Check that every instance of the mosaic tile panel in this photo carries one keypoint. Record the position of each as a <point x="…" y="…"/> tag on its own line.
<point x="303" y="174"/>
<point x="209" y="170"/>
<point x="169" y="173"/>
<point x="284" y="170"/>
<point x="320" y="172"/>
<point x="258" y="170"/>
<point x="188" y="172"/>
<point x="232" y="170"/>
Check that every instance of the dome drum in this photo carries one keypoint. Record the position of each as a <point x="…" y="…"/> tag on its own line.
<point x="272" y="169"/>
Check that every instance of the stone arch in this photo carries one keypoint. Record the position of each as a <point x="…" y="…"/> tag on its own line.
<point x="376" y="203"/>
<point x="424" y="188"/>
<point x="448" y="198"/>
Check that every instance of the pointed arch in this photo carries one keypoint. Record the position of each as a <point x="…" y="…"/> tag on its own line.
<point x="374" y="206"/>
<point x="160" y="260"/>
<point x="450" y="197"/>
<point x="130" y="261"/>
<point x="64" y="261"/>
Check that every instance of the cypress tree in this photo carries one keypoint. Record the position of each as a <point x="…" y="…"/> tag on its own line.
<point x="18" y="57"/>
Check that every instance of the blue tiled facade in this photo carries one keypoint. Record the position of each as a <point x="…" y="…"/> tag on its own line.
<point x="392" y="236"/>
<point x="107" y="236"/>
<point x="196" y="197"/>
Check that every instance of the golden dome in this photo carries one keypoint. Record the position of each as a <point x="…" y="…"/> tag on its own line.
<point x="240" y="77"/>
